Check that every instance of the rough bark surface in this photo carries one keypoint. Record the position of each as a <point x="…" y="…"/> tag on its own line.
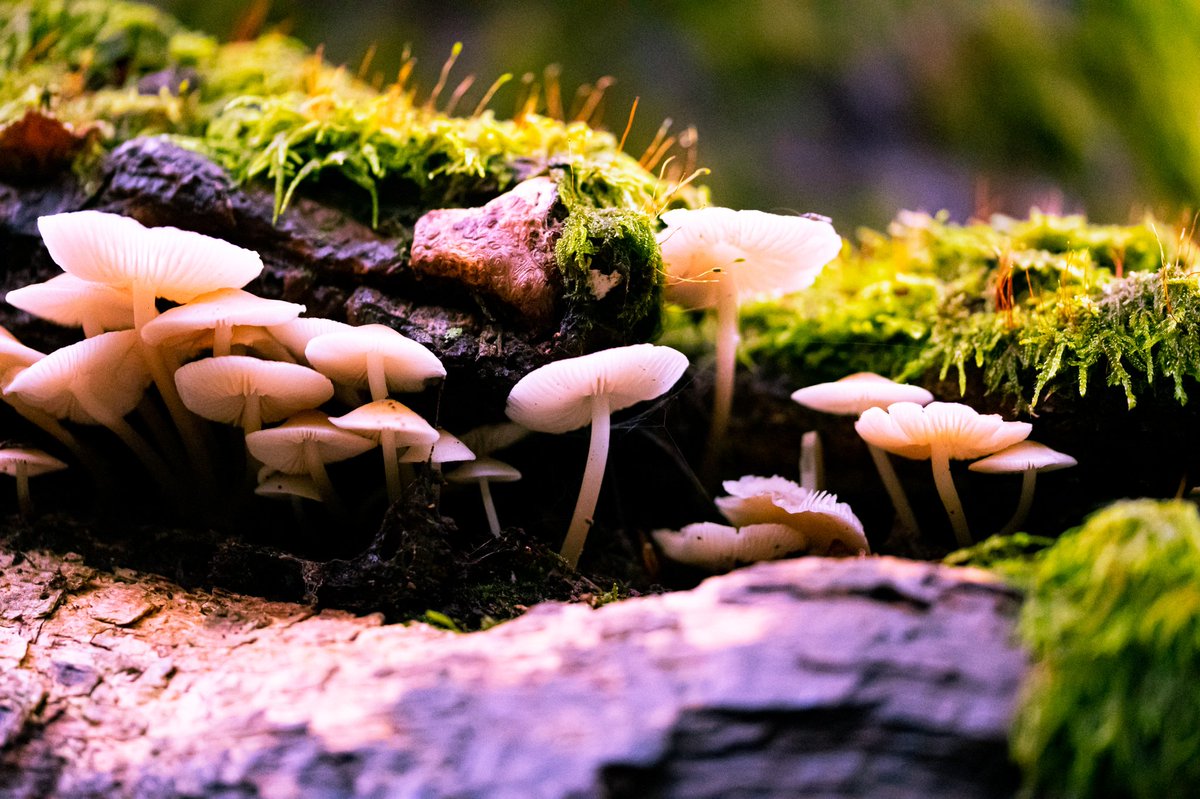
<point x="872" y="677"/>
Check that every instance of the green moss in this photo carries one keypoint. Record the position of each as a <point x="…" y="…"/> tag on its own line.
<point x="1023" y="309"/>
<point x="1113" y="620"/>
<point x="1014" y="557"/>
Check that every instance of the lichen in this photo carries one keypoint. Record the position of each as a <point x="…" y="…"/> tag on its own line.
<point x="1113" y="621"/>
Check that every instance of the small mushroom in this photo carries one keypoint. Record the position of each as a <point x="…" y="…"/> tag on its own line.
<point x="940" y="431"/>
<point x="245" y="391"/>
<point x="720" y="548"/>
<point x="485" y="470"/>
<point x="572" y="393"/>
<point x="23" y="463"/>
<point x="72" y="302"/>
<point x="716" y="257"/>
<point x="213" y="317"/>
<point x="1027" y="458"/>
<point x="394" y="425"/>
<point x="829" y="525"/>
<point x="303" y="445"/>
<point x="374" y="356"/>
<point x="852" y="395"/>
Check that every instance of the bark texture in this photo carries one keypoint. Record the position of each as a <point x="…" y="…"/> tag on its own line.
<point x="857" y="678"/>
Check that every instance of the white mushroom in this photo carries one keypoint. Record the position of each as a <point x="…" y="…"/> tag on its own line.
<point x="246" y="392"/>
<point x="374" y="356"/>
<point x="572" y="393"/>
<point x="1027" y="458"/>
<point x="72" y="302"/>
<point x="394" y="425"/>
<point x="303" y="445"/>
<point x="716" y="257"/>
<point x="214" y="316"/>
<point x="485" y="470"/>
<point x="940" y="431"/>
<point x="827" y="523"/>
<point x="719" y="547"/>
<point x="854" y="394"/>
<point x="23" y="463"/>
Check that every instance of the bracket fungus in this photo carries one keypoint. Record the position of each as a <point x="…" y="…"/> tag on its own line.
<point x="717" y="258"/>
<point x="940" y="431"/>
<point x="851" y="396"/>
<point x="573" y="393"/>
<point x="1026" y="458"/>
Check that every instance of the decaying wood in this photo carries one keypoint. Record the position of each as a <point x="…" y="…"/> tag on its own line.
<point x="871" y="677"/>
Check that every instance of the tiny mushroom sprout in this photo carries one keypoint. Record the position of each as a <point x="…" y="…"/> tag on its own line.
<point x="572" y="393"/>
<point x="245" y="391"/>
<point x="375" y="356"/>
<point x="719" y="547"/>
<point x="828" y="525"/>
<point x="717" y="257"/>
<point x="1028" y="458"/>
<point x="854" y="394"/>
<point x="394" y="425"/>
<point x="303" y="445"/>
<point x="23" y="463"/>
<point x="485" y="470"/>
<point x="940" y="431"/>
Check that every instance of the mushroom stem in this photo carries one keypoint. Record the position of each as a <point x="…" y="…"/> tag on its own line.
<point x="391" y="467"/>
<point x="185" y="422"/>
<point x="895" y="491"/>
<point x="1028" y="482"/>
<point x="589" y="489"/>
<point x="92" y="328"/>
<point x="55" y="429"/>
<point x="24" y="503"/>
<point x="376" y="378"/>
<point x="153" y="462"/>
<point x="727" y="342"/>
<point x="144" y="308"/>
<point x="252" y="414"/>
<point x="940" y="462"/>
<point x="319" y="475"/>
<point x="812" y="461"/>
<point x="222" y="339"/>
<point x="489" y="507"/>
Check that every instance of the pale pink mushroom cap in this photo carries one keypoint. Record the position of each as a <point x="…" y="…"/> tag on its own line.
<point x="36" y="462"/>
<point x="489" y="438"/>
<point x="776" y="500"/>
<point x="765" y="254"/>
<point x="14" y="356"/>
<point x="1022" y="457"/>
<point x="343" y="356"/>
<point x="719" y="548"/>
<point x="910" y="430"/>
<point x="218" y="388"/>
<point x="230" y="307"/>
<point x="104" y="373"/>
<point x="282" y="448"/>
<point x="119" y="251"/>
<point x="484" y="468"/>
<point x="295" y="334"/>
<point x="388" y="414"/>
<point x="854" y="393"/>
<point x="71" y="302"/>
<point x="449" y="448"/>
<point x="278" y="484"/>
<point x="556" y="398"/>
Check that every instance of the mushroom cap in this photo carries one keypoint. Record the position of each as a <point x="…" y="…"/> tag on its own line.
<point x="489" y="438"/>
<point x="342" y="356"/>
<point x="217" y="388"/>
<point x="909" y="430"/>
<point x="854" y="393"/>
<point x="766" y="254"/>
<point x="1024" y="456"/>
<point x="36" y="462"/>
<point x="719" y="547"/>
<point x="279" y="484"/>
<point x="69" y="301"/>
<point x="777" y="500"/>
<point x="295" y="334"/>
<point x="282" y="448"/>
<point x="14" y="356"/>
<point x="484" y="468"/>
<point x="105" y="372"/>
<point x="119" y="251"/>
<point x="449" y="448"/>
<point x="557" y="397"/>
<point x="388" y="414"/>
<point x="214" y="308"/>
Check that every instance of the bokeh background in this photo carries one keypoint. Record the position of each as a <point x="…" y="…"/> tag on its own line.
<point x="850" y="108"/>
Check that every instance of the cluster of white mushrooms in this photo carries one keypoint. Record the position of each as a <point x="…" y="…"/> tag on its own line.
<point x="222" y="354"/>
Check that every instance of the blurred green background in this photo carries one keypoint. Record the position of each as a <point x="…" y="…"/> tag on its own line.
<point x="850" y="108"/>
